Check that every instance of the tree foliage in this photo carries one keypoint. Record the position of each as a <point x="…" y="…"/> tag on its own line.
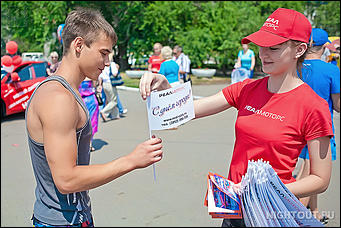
<point x="205" y="30"/>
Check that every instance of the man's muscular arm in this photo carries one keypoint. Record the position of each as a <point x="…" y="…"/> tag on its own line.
<point x="59" y="115"/>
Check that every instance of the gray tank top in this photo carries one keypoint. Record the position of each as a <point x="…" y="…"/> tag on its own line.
<point x="51" y="206"/>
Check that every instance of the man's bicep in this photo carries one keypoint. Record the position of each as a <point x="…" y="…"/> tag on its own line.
<point x="60" y="141"/>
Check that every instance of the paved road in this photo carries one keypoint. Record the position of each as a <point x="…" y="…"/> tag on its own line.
<point x="176" y="199"/>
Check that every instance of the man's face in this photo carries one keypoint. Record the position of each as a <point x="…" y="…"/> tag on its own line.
<point x="93" y="59"/>
<point x="176" y="53"/>
<point x="157" y="49"/>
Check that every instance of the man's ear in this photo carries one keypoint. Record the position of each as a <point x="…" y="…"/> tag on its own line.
<point x="78" y="44"/>
<point x="300" y="49"/>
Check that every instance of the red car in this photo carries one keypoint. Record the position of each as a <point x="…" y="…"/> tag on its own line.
<point x="18" y="86"/>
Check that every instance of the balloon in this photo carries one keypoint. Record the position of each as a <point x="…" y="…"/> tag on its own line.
<point x="16" y="60"/>
<point x="15" y="77"/>
<point x="59" y="32"/>
<point x="8" y="69"/>
<point x="6" y="60"/>
<point x="11" y="47"/>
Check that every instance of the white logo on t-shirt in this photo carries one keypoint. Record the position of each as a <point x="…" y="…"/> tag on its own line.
<point x="265" y="113"/>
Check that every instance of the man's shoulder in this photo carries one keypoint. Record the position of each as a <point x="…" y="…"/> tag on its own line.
<point x="155" y="57"/>
<point x="185" y="56"/>
<point x="322" y="65"/>
<point x="52" y="95"/>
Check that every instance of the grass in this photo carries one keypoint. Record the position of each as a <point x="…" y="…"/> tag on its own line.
<point x="134" y="82"/>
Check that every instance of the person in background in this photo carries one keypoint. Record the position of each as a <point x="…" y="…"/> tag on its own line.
<point x="246" y="59"/>
<point x="110" y="110"/>
<point x="51" y="69"/>
<point x="169" y="68"/>
<point x="122" y="111"/>
<point x="324" y="79"/>
<point x="334" y="57"/>
<point x="183" y="61"/>
<point x="87" y="91"/>
<point x="154" y="62"/>
<point x="325" y="55"/>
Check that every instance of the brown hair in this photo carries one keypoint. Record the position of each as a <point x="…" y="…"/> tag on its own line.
<point x="85" y="23"/>
<point x="300" y="60"/>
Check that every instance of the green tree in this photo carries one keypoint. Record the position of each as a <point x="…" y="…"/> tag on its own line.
<point x="30" y="23"/>
<point x="205" y="30"/>
<point x="327" y="17"/>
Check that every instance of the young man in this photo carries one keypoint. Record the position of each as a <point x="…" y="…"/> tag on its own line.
<point x="324" y="79"/>
<point x="59" y="129"/>
<point x="154" y="61"/>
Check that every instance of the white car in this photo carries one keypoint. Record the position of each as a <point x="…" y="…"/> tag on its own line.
<point x="33" y="56"/>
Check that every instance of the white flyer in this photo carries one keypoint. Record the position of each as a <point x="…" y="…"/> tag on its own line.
<point x="170" y="108"/>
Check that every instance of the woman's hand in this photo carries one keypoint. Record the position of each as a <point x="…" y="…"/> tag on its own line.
<point x="237" y="188"/>
<point x="151" y="81"/>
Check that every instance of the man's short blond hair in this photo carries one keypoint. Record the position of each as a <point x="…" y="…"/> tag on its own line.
<point x="166" y="52"/>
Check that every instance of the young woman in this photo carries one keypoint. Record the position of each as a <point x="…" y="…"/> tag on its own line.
<point x="278" y="114"/>
<point x="246" y="59"/>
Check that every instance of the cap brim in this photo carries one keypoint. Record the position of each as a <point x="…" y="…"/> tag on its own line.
<point x="264" y="39"/>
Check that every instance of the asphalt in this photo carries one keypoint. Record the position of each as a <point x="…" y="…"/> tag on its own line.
<point x="176" y="198"/>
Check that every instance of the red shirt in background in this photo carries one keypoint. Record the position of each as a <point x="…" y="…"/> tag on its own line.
<point x="156" y="61"/>
<point x="274" y="127"/>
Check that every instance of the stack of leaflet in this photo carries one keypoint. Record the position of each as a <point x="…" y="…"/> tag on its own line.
<point x="221" y="200"/>
<point x="264" y="200"/>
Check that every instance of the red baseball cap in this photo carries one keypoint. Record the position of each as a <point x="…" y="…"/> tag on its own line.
<point x="282" y="25"/>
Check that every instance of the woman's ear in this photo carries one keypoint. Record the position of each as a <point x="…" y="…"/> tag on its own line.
<point x="301" y="49"/>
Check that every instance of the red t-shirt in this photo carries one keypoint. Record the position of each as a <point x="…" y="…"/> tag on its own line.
<point x="274" y="127"/>
<point x="156" y="61"/>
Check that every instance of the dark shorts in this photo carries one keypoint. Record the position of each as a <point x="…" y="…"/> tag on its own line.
<point x="37" y="223"/>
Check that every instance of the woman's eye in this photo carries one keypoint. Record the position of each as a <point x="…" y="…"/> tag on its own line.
<point x="273" y="49"/>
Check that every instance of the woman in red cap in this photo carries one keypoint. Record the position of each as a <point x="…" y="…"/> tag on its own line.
<point x="278" y="114"/>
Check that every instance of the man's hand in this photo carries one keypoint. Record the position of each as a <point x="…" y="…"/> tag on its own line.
<point x="150" y="81"/>
<point x="146" y="153"/>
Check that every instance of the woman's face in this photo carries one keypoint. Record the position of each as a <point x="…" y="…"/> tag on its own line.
<point x="54" y="59"/>
<point x="279" y="59"/>
<point x="245" y="47"/>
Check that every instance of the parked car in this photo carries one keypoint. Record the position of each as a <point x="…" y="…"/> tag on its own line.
<point x="18" y="86"/>
<point x="33" y="56"/>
